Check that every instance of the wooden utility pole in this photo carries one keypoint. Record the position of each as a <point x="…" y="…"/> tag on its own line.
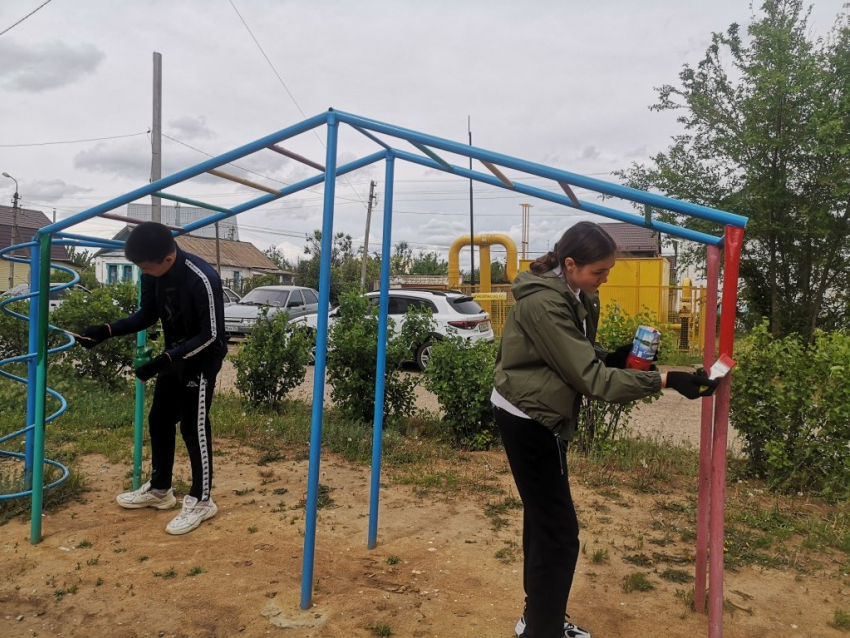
<point x="156" y="135"/>
<point x="372" y="198"/>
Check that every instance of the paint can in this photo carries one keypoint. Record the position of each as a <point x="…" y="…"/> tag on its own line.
<point x="644" y="348"/>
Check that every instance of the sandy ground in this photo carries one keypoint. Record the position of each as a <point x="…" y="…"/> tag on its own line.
<point x="440" y="569"/>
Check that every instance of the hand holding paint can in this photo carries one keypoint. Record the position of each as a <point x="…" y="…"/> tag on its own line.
<point x="644" y="348"/>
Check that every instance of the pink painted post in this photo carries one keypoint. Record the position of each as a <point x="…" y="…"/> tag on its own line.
<point x="709" y="319"/>
<point x="732" y="256"/>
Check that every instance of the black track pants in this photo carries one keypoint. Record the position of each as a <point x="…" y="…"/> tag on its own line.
<point x="183" y="394"/>
<point x="550" y="528"/>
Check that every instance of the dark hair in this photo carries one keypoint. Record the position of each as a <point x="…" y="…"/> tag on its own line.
<point x="585" y="242"/>
<point x="149" y="242"/>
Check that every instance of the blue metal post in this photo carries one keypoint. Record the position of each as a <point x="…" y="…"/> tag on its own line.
<point x="40" y="391"/>
<point x="319" y="367"/>
<point x="378" y="429"/>
<point x="31" y="363"/>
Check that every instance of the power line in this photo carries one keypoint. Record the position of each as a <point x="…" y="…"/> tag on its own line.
<point x="286" y="88"/>
<point x="93" y="139"/>
<point x="7" y="29"/>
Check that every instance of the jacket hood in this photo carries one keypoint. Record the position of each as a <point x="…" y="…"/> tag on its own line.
<point x="527" y="283"/>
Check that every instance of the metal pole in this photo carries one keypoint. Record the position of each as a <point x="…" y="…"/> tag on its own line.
<point x="366" y="238"/>
<point x="139" y="422"/>
<point x="31" y="363"/>
<point x="471" y="225"/>
<point x="15" y="232"/>
<point x="40" y="390"/>
<point x="319" y="367"/>
<point x="217" y="251"/>
<point x="156" y="135"/>
<point x="732" y="255"/>
<point x="709" y="322"/>
<point x="381" y="368"/>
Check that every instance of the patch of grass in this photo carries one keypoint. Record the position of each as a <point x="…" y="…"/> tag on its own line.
<point x="197" y="569"/>
<point x="253" y="529"/>
<point x="142" y="559"/>
<point x="84" y="544"/>
<point x="98" y="582"/>
<point x="119" y="550"/>
<point x="381" y="630"/>
<point x="508" y="553"/>
<point x="841" y="620"/>
<point x="58" y="593"/>
<point x="677" y="576"/>
<point x="244" y="491"/>
<point x="324" y="498"/>
<point x="599" y="556"/>
<point x="495" y="510"/>
<point x="687" y="597"/>
<point x="168" y="573"/>
<point x="637" y="582"/>
<point x="93" y="561"/>
<point x="280" y="491"/>
<point x="641" y="560"/>
<point x="393" y="560"/>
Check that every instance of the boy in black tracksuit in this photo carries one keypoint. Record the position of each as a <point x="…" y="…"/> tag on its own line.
<point x="184" y="292"/>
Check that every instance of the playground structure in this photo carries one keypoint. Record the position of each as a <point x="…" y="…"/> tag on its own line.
<point x="715" y="410"/>
<point x="636" y="285"/>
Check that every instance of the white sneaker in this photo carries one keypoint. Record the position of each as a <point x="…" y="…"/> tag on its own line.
<point x="144" y="497"/>
<point x="194" y="513"/>
<point x="570" y="630"/>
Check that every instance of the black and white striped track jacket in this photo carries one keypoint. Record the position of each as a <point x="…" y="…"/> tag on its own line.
<point x="201" y="308"/>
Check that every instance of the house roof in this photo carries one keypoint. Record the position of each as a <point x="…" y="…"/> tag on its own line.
<point x="233" y="253"/>
<point x="633" y="239"/>
<point x="28" y="222"/>
<point x="241" y="254"/>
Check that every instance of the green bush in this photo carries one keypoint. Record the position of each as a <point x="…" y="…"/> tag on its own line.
<point x="602" y="423"/>
<point x="791" y="405"/>
<point x="460" y="374"/>
<point x="352" y="360"/>
<point x="14" y="332"/>
<point x="112" y="359"/>
<point x="272" y="361"/>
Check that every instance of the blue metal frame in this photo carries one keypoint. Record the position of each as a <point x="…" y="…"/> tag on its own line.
<point x="426" y="144"/>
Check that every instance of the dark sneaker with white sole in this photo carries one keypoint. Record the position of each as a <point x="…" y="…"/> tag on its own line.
<point x="570" y="630"/>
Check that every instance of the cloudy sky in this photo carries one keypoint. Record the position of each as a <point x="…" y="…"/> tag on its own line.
<point x="561" y="82"/>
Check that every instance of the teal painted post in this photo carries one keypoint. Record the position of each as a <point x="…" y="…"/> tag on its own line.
<point x="40" y="390"/>
<point x="139" y="426"/>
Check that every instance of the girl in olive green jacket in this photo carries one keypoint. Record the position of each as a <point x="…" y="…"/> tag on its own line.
<point x="547" y="362"/>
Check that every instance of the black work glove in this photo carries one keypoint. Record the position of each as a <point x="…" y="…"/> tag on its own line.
<point x="94" y="335"/>
<point x="152" y="367"/>
<point x="617" y="359"/>
<point x="692" y="385"/>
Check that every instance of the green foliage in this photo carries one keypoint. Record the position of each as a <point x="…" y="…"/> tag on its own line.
<point x="352" y="360"/>
<point x="791" y="404"/>
<point x="247" y="285"/>
<point x="14" y="332"/>
<point x="766" y="117"/>
<point x="602" y="423"/>
<point x="460" y="374"/>
<point x="272" y="361"/>
<point x="112" y="359"/>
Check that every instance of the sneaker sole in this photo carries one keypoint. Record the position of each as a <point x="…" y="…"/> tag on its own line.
<point x="167" y="505"/>
<point x="180" y="532"/>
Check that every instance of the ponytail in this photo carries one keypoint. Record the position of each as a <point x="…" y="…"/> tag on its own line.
<point x="584" y="242"/>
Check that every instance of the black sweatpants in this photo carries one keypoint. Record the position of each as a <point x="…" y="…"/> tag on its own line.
<point x="550" y="528"/>
<point x="183" y="393"/>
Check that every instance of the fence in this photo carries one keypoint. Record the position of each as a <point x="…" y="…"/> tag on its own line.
<point x="678" y="309"/>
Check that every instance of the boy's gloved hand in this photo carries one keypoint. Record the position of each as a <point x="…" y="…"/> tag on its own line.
<point x="94" y="335"/>
<point x="617" y="359"/>
<point x="692" y="385"/>
<point x="152" y="367"/>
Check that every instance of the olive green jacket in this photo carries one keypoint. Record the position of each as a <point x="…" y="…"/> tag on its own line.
<point x="546" y="363"/>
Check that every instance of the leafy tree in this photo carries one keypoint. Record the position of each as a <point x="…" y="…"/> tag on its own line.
<point x="767" y="128"/>
<point x="280" y="260"/>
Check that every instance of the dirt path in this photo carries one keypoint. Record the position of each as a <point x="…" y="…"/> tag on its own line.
<point x="455" y="575"/>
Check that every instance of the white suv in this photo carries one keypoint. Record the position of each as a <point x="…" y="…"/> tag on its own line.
<point x="452" y="312"/>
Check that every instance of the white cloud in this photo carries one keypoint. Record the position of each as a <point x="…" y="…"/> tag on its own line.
<point x="53" y="189"/>
<point x="190" y="127"/>
<point x="45" y="66"/>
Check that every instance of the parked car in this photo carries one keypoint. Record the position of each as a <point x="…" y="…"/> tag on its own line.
<point x="452" y="312"/>
<point x="56" y="296"/>
<point x="230" y="297"/>
<point x="240" y="317"/>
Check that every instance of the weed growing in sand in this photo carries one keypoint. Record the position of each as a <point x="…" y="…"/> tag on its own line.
<point x="636" y="582"/>
<point x="169" y="573"/>
<point x="841" y="620"/>
<point x="599" y="556"/>
<point x="393" y="560"/>
<point x="381" y="630"/>
<point x="197" y="569"/>
<point x="83" y="544"/>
